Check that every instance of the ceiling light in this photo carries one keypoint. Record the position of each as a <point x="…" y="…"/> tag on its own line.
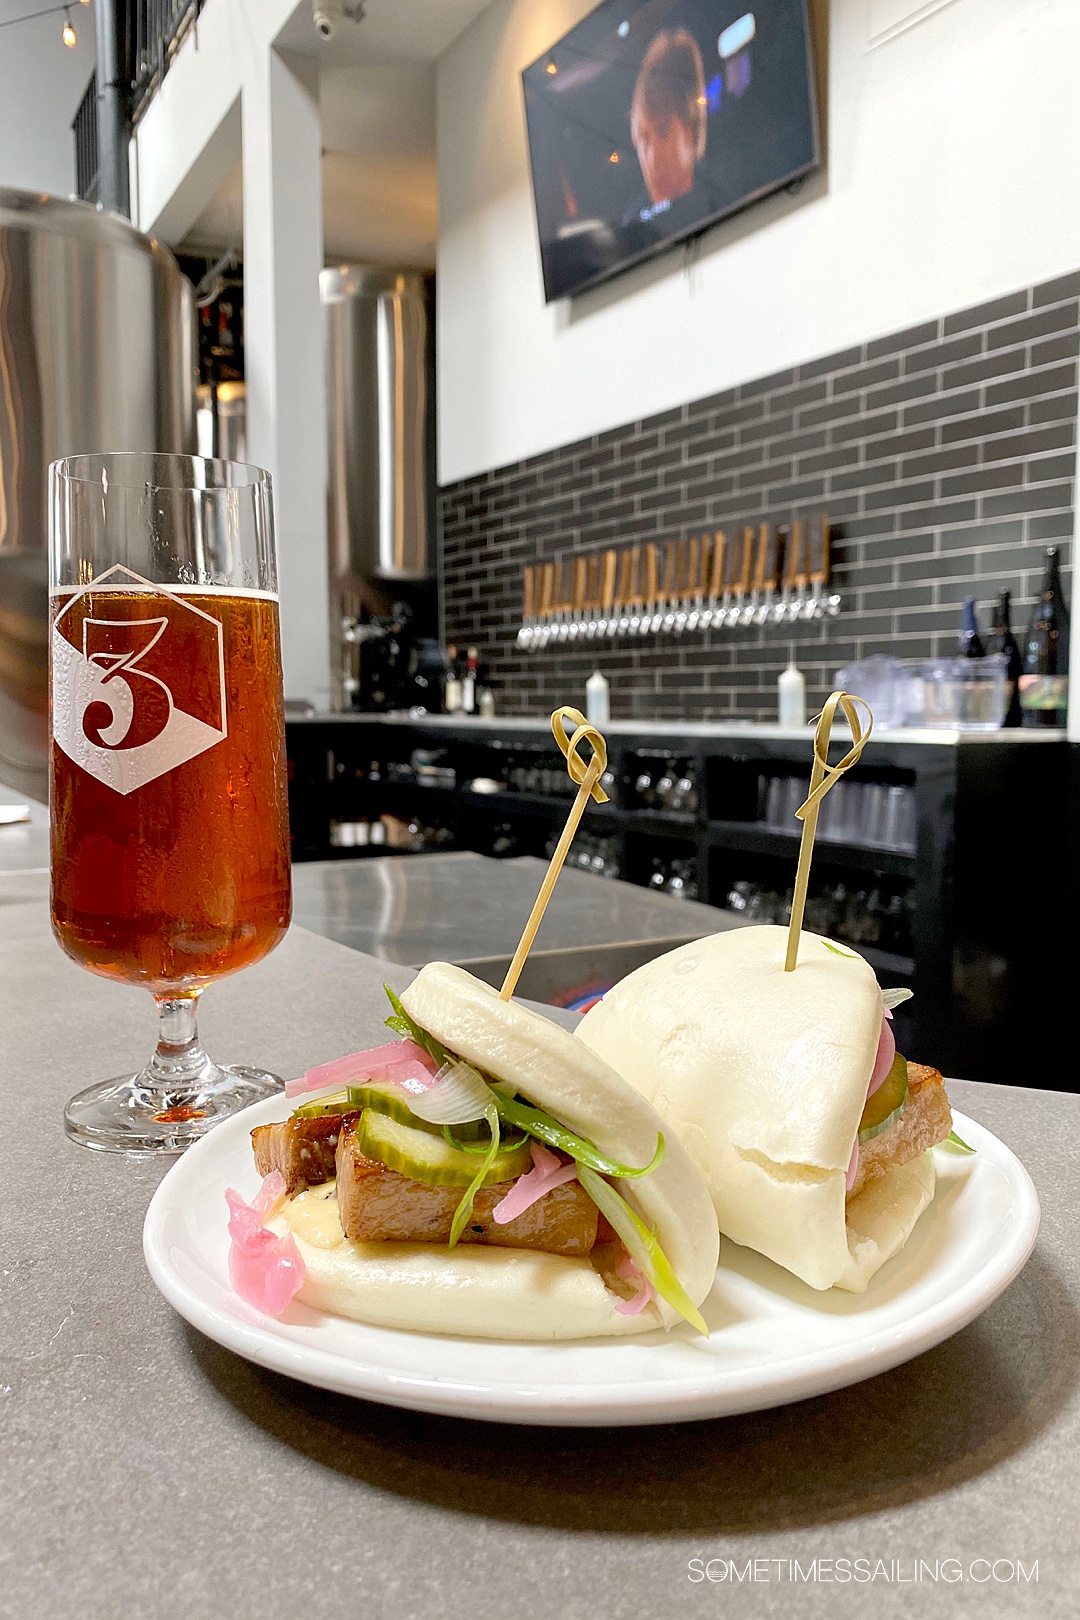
<point x="551" y="68"/>
<point x="68" y="35"/>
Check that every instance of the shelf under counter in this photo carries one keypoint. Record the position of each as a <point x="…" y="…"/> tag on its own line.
<point x="759" y="839"/>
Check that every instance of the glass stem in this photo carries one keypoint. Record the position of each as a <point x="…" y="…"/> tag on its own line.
<point x="179" y="1064"/>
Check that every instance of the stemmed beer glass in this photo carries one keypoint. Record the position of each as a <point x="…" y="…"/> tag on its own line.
<point x="170" y="841"/>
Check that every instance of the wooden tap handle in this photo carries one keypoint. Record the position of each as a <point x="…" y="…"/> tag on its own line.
<point x="633" y="591"/>
<point x="693" y="583"/>
<point x="679" y="589"/>
<point x="592" y="592"/>
<point x="792" y="549"/>
<point x="761" y="556"/>
<point x="798" y="543"/>
<point x="527" y="597"/>
<point x="772" y="555"/>
<point x="622" y="595"/>
<point x="747" y="570"/>
<point x="818" y="548"/>
<point x="611" y="563"/>
<point x="651" y="573"/>
<point x="720" y="546"/>
<point x="581" y="570"/>
<point x="670" y="557"/>
<point x="547" y="589"/>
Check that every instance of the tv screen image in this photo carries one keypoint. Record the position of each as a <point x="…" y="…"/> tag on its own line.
<point x="653" y="119"/>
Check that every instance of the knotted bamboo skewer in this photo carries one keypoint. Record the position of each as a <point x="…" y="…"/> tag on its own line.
<point x="587" y="776"/>
<point x="823" y="776"/>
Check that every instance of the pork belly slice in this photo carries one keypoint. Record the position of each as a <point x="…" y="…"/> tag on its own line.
<point x="379" y="1205"/>
<point x="926" y="1120"/>
<point x="302" y="1149"/>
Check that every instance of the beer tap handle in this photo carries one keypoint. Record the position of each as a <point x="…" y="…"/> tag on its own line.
<point x="716" y="583"/>
<point x="592" y="592"/>
<point x="651" y="576"/>
<point x="621" y="595"/>
<point x="746" y="569"/>
<point x="797" y="571"/>
<point x="607" y="597"/>
<point x="818" y="548"/>
<point x="524" y="633"/>
<point x="577" y="608"/>
<point x="633" y="594"/>
<point x="770" y="545"/>
<point x="547" y="598"/>
<point x="693" y="563"/>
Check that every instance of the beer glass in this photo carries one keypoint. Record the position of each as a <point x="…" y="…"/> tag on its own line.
<point x="169" y="818"/>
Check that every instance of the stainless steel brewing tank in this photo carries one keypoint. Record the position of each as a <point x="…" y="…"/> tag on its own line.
<point x="378" y="340"/>
<point x="97" y="352"/>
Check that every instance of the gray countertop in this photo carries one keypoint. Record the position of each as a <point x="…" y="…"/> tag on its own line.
<point x="467" y="908"/>
<point x="148" y="1473"/>
<point x="937" y="735"/>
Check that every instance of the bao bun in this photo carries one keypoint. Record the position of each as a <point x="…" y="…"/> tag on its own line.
<point x="763" y="1074"/>
<point x="513" y="1293"/>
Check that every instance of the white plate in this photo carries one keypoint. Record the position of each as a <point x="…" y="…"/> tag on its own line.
<point x="772" y="1339"/>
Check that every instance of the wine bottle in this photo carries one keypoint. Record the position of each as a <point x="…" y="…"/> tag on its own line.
<point x="452" y="684"/>
<point x="969" y="643"/>
<point x="1001" y="640"/>
<point x="468" y="684"/>
<point x="1044" y="684"/>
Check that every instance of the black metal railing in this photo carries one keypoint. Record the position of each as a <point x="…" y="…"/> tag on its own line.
<point x="160" y="28"/>
<point x="85" y="130"/>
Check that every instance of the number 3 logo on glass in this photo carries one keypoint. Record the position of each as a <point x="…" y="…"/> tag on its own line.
<point x="138" y="680"/>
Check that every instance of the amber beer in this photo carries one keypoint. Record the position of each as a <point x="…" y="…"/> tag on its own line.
<point x="170" y="842"/>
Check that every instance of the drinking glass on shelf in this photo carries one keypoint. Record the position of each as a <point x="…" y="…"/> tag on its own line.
<point x="169" y="816"/>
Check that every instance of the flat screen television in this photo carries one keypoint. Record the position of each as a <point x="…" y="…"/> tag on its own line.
<point x="653" y="119"/>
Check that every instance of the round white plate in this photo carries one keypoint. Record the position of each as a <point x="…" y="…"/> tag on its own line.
<point x="772" y="1338"/>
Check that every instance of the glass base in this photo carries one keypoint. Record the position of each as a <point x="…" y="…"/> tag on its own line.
<point x="138" y="1114"/>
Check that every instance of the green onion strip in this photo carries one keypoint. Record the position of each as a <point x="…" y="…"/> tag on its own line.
<point x="465" y="1208"/>
<point x="642" y="1246"/>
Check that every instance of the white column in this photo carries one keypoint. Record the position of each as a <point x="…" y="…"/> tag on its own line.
<point x="284" y="347"/>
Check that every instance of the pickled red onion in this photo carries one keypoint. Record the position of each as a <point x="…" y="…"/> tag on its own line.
<point x="547" y="1173"/>
<point x="402" y="1061"/>
<point x="853" y="1167"/>
<point x="264" y="1269"/>
<point x="270" y="1195"/>
<point x="886" y="1052"/>
<point x="629" y="1270"/>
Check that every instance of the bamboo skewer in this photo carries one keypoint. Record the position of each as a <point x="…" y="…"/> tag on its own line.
<point x="823" y="776"/>
<point x="588" y="779"/>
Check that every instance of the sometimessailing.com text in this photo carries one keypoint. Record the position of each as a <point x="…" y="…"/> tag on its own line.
<point x="864" y="1571"/>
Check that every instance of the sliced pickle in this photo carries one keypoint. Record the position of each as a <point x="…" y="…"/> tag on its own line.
<point x="387" y="1097"/>
<point x="886" y="1105"/>
<point x="337" y="1102"/>
<point x="431" y="1159"/>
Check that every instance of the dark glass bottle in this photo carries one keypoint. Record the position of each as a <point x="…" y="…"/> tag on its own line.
<point x="1044" y="684"/>
<point x="1001" y="640"/>
<point x="969" y="643"/>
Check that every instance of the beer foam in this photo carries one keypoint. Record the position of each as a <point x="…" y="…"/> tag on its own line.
<point x="132" y="584"/>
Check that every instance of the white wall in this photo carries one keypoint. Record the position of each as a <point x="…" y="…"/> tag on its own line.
<point x="41" y="85"/>
<point x="952" y="176"/>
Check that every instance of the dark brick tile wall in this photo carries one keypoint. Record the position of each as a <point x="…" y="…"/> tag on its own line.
<point x="944" y="455"/>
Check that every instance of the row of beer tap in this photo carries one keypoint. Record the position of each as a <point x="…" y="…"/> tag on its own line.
<point x="765" y="575"/>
